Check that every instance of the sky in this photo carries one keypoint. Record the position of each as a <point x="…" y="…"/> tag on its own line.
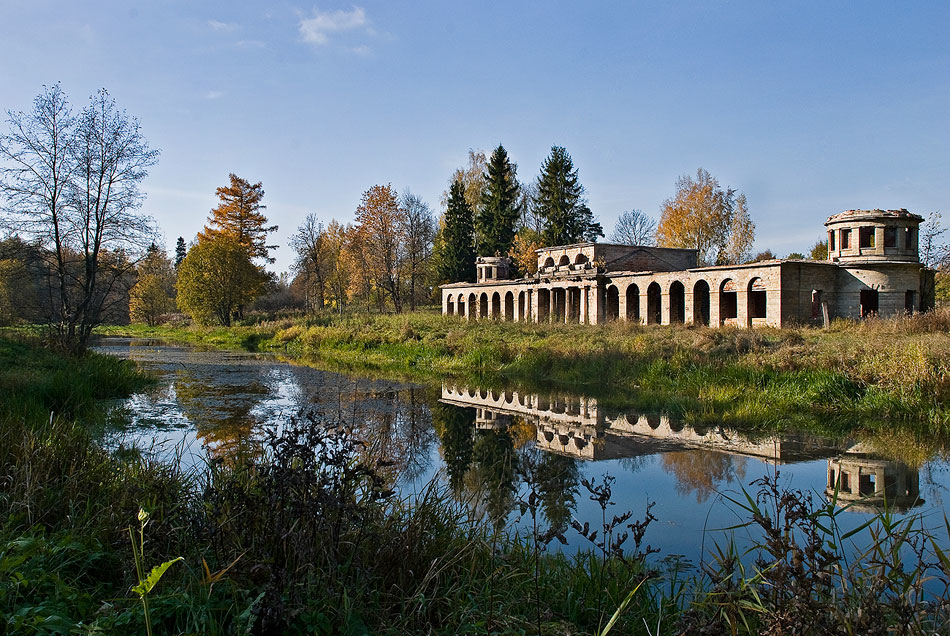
<point x="809" y="108"/>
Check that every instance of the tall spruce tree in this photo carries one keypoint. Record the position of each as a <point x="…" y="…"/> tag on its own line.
<point x="457" y="254"/>
<point x="501" y="206"/>
<point x="561" y="203"/>
<point x="180" y="251"/>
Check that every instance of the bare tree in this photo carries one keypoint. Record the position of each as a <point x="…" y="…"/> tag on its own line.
<point x="419" y="231"/>
<point x="313" y="260"/>
<point x="934" y="250"/>
<point x="71" y="184"/>
<point x="634" y="228"/>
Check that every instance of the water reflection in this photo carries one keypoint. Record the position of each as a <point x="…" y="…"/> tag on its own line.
<point x="702" y="461"/>
<point x="219" y="402"/>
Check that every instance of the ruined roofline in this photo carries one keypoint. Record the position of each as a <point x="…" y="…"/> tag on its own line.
<point x="623" y="245"/>
<point x="873" y="215"/>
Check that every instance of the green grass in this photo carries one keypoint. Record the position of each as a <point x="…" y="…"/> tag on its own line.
<point x="855" y="375"/>
<point x="299" y="538"/>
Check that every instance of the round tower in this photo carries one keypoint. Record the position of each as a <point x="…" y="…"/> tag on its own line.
<point x="867" y="236"/>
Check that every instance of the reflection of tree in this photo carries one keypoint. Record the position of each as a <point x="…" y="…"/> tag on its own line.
<point x="557" y="478"/>
<point x="493" y="474"/>
<point x="700" y="472"/>
<point x="221" y="413"/>
<point x="455" y="427"/>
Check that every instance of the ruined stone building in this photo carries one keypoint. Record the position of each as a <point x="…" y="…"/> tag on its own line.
<point x="873" y="268"/>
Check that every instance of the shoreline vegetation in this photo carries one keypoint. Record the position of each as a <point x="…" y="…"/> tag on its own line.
<point x="854" y="376"/>
<point x="304" y="536"/>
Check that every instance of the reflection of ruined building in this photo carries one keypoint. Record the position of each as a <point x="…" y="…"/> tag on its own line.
<point x="873" y="268"/>
<point x="577" y="426"/>
<point x="868" y="483"/>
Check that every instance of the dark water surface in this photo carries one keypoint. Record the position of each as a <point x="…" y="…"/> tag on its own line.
<point x="480" y="443"/>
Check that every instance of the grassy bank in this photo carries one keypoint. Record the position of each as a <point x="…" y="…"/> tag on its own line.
<point x="304" y="537"/>
<point x="852" y="375"/>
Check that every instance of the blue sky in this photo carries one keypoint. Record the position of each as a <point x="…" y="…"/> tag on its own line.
<point x="808" y="108"/>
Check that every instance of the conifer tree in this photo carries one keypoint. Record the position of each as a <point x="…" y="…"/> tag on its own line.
<point x="560" y="202"/>
<point x="180" y="251"/>
<point x="495" y="226"/>
<point x="239" y="217"/>
<point x="457" y="240"/>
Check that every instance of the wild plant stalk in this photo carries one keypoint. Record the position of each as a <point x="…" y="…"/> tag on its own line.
<point x="146" y="583"/>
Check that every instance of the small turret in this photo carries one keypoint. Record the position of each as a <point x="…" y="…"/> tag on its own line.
<point x="492" y="268"/>
<point x="863" y="236"/>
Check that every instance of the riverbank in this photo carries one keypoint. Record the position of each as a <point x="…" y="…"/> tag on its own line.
<point x="853" y="375"/>
<point x="304" y="536"/>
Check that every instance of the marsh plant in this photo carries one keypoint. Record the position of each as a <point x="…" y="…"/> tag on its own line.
<point x="810" y="577"/>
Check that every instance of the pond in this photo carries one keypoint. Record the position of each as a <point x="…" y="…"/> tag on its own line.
<point x="479" y="443"/>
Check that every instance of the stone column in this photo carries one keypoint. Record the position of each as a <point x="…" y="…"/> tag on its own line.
<point x="688" y="308"/>
<point x="552" y="305"/>
<point x="742" y="308"/>
<point x="568" y="304"/>
<point x="596" y="306"/>
<point x="644" y="305"/>
<point x="583" y="317"/>
<point x="665" y="306"/>
<point x="713" y="308"/>
<point x="879" y="241"/>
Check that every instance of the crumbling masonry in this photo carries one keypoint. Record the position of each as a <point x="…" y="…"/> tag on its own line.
<point x="873" y="268"/>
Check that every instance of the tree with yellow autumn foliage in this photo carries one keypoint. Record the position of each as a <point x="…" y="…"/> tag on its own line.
<point x="703" y="216"/>
<point x="239" y="217"/>
<point x="381" y="230"/>
<point x="154" y="292"/>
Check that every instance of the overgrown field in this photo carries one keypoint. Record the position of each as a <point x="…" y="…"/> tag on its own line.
<point x="851" y="375"/>
<point x="302" y="535"/>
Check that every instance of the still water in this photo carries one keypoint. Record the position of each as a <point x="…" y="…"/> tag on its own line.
<point x="478" y="442"/>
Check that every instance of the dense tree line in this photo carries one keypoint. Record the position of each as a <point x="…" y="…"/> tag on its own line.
<point x="78" y="253"/>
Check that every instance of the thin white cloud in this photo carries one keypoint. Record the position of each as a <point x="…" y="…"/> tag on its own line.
<point x="362" y="50"/>
<point x="318" y="28"/>
<point x="250" y="44"/>
<point x="213" y="95"/>
<point x="223" y="27"/>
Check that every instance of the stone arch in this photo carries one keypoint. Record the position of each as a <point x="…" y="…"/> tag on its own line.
<point x="472" y="307"/>
<point x="548" y="262"/>
<point x="450" y="307"/>
<point x="509" y="306"/>
<point x="654" y="295"/>
<point x="757" y="299"/>
<point x="565" y="260"/>
<point x="728" y="301"/>
<point x="701" y="303"/>
<point x="633" y="303"/>
<point x="496" y="305"/>
<point x="580" y="259"/>
<point x="677" y="302"/>
<point x="612" y="303"/>
<point x="483" y="305"/>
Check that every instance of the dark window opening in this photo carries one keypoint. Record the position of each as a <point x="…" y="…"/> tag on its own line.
<point x="866" y="484"/>
<point x="757" y="304"/>
<point x="612" y="305"/>
<point x="677" y="302"/>
<point x="890" y="237"/>
<point x="845" y="480"/>
<point x="654" y="313"/>
<point x="831" y="241"/>
<point x="846" y="239"/>
<point x="728" y="302"/>
<point x="869" y="302"/>
<point x="633" y="304"/>
<point x="910" y="301"/>
<point x="816" y="303"/>
<point x="866" y="236"/>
